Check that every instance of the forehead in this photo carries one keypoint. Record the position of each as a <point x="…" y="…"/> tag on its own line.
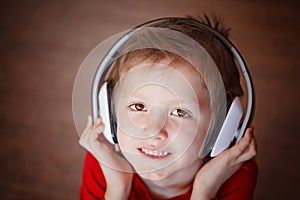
<point x="161" y="62"/>
<point x="181" y="79"/>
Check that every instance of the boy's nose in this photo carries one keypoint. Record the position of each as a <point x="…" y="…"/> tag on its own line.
<point x="156" y="127"/>
<point x="162" y="134"/>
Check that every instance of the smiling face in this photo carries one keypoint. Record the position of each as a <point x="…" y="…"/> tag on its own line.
<point x="163" y="116"/>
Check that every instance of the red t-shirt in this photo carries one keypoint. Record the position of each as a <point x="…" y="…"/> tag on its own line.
<point x="238" y="187"/>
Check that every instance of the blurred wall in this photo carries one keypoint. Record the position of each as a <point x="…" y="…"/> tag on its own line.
<point x="44" y="42"/>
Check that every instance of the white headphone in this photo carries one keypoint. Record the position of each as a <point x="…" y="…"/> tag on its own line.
<point x="232" y="127"/>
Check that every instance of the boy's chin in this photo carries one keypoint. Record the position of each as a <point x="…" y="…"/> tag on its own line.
<point x="157" y="175"/>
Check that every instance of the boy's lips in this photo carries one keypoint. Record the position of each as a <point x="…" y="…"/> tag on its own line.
<point x="153" y="153"/>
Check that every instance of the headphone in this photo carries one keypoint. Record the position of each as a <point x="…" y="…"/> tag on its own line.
<point x="233" y="127"/>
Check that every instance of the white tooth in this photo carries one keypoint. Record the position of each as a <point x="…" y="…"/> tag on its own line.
<point x="154" y="153"/>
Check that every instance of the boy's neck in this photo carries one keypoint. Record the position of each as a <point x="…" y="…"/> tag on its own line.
<point x="174" y="185"/>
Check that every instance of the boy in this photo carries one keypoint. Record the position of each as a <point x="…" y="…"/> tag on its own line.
<point x="163" y="106"/>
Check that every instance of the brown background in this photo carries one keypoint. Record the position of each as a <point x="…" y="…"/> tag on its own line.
<point x="44" y="42"/>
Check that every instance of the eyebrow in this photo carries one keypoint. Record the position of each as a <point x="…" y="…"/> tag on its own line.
<point x="140" y="96"/>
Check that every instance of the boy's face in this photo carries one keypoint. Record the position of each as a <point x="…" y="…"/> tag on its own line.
<point x="163" y="115"/>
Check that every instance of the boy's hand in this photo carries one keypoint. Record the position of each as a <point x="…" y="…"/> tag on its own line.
<point x="215" y="172"/>
<point x="118" y="181"/>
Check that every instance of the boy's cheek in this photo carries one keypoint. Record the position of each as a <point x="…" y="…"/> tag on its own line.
<point x="191" y="138"/>
<point x="140" y="120"/>
<point x="131" y="124"/>
<point x="126" y="142"/>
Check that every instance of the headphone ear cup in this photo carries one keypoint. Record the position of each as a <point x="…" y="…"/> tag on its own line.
<point x="105" y="112"/>
<point x="229" y="128"/>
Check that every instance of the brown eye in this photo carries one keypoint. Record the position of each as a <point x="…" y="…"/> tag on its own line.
<point x="180" y="113"/>
<point x="138" y="107"/>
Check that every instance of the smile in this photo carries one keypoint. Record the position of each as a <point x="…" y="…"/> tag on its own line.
<point x="153" y="153"/>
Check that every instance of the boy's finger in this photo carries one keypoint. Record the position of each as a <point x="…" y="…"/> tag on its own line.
<point x="89" y="121"/>
<point x="99" y="128"/>
<point x="250" y="150"/>
<point x="249" y="153"/>
<point x="242" y="145"/>
<point x="99" y="122"/>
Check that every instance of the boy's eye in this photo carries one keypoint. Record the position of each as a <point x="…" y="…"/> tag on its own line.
<point x="180" y="113"/>
<point x="138" y="107"/>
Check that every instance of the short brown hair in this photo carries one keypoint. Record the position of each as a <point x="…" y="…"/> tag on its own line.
<point x="218" y="51"/>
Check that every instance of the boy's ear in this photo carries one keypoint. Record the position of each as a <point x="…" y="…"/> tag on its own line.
<point x="106" y="112"/>
<point x="229" y="128"/>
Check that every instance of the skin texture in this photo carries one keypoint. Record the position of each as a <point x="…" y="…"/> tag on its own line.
<point x="164" y="111"/>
